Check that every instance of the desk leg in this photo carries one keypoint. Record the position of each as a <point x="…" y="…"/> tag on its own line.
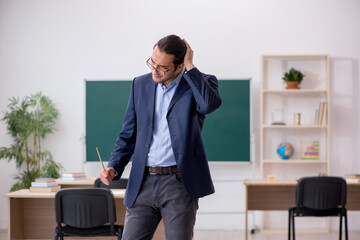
<point x="246" y="213"/>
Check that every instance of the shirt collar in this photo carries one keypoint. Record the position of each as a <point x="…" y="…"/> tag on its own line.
<point x="176" y="80"/>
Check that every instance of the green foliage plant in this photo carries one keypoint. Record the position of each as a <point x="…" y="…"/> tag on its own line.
<point x="293" y="76"/>
<point x="29" y="121"/>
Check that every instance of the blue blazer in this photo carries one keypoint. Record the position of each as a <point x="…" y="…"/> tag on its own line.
<point x="196" y="96"/>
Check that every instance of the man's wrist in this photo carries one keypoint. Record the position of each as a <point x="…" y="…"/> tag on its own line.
<point x="115" y="172"/>
<point x="189" y="66"/>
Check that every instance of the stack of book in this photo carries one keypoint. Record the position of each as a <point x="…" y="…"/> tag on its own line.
<point x="44" y="185"/>
<point x="321" y="114"/>
<point x="352" y="178"/>
<point x="73" y="176"/>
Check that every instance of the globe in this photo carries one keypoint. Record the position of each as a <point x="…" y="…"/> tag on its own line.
<point x="285" y="150"/>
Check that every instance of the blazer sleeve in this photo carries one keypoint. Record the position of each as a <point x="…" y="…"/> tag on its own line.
<point x="125" y="142"/>
<point x="205" y="90"/>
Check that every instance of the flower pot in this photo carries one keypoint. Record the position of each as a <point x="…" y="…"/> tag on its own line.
<point x="292" y="85"/>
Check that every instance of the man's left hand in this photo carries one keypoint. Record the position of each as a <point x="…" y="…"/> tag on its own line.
<point x="188" y="59"/>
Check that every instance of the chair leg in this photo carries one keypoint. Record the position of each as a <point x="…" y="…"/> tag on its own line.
<point x="293" y="225"/>
<point x="340" y="228"/>
<point x="119" y="234"/>
<point x="289" y="223"/>
<point x="120" y="231"/>
<point x="346" y="227"/>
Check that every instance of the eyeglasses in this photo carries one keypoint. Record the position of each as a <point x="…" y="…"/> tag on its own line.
<point x="160" y="69"/>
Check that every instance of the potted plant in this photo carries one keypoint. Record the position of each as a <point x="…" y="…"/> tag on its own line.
<point x="293" y="78"/>
<point x="28" y="122"/>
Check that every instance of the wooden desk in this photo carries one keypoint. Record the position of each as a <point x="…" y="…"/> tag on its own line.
<point x="32" y="215"/>
<point x="261" y="194"/>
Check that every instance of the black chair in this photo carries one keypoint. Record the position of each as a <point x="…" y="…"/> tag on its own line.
<point x="319" y="197"/>
<point x="85" y="212"/>
<point x="118" y="184"/>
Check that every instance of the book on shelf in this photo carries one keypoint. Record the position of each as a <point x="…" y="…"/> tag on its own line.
<point x="44" y="189"/>
<point x="44" y="184"/>
<point x="45" y="180"/>
<point x="325" y="113"/>
<point x="322" y="114"/>
<point x="309" y="150"/>
<point x="321" y="106"/>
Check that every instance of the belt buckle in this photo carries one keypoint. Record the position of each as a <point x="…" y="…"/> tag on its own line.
<point x="152" y="173"/>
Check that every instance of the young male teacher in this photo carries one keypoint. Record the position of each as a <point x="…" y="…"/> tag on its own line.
<point x="162" y="129"/>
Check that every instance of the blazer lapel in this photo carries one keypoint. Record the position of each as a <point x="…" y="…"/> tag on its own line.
<point x="150" y="98"/>
<point x="181" y="89"/>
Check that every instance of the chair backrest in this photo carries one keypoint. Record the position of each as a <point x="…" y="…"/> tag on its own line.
<point x="84" y="207"/>
<point x="321" y="193"/>
<point x="118" y="184"/>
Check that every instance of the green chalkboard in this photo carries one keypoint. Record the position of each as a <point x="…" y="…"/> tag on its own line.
<point x="226" y="132"/>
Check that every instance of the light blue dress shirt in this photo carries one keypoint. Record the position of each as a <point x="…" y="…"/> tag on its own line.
<point x="161" y="153"/>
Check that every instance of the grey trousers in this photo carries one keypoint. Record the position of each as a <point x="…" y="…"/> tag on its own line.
<point x="161" y="197"/>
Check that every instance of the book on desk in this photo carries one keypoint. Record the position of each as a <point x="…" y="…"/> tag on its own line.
<point x="44" y="185"/>
<point x="352" y="178"/>
<point x="73" y="176"/>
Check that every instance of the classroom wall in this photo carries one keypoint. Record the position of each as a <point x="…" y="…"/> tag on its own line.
<point x="53" y="46"/>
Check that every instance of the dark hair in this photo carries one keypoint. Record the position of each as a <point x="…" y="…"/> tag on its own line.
<point x="173" y="45"/>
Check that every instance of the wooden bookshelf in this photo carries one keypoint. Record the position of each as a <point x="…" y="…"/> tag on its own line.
<point x="314" y="89"/>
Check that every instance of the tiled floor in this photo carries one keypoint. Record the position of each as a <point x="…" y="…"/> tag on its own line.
<point x="230" y="235"/>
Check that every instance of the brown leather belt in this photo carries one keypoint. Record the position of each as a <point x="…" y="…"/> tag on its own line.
<point x="162" y="170"/>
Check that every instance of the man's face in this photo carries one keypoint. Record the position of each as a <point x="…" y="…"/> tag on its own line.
<point x="163" y="67"/>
